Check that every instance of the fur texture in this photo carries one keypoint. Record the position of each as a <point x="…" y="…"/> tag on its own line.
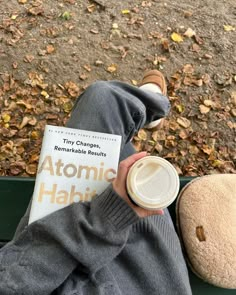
<point x="206" y="221"/>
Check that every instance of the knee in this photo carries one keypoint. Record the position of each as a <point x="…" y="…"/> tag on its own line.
<point x="99" y="92"/>
<point x="98" y="87"/>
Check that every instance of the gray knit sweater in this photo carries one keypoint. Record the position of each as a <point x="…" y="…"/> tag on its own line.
<point x="101" y="247"/>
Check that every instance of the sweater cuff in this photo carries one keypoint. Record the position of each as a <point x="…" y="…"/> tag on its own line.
<point x="115" y="209"/>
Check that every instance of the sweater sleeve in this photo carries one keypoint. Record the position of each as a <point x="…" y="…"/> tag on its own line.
<point x="48" y="250"/>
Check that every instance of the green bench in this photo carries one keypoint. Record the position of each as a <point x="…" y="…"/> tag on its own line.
<point x="15" y="194"/>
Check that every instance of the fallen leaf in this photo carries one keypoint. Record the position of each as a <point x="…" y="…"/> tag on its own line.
<point x="198" y="39"/>
<point x="204" y="109"/>
<point x="206" y="79"/>
<point x="24" y="122"/>
<point x="197" y="82"/>
<point x="36" y="10"/>
<point x="233" y="97"/>
<point x="14" y="16"/>
<point x="125" y="11"/>
<point x="208" y="56"/>
<point x="196" y="48"/>
<point x="94" y="31"/>
<point x="22" y="1"/>
<point x="67" y="107"/>
<point x="142" y="134"/>
<point x="231" y="125"/>
<point x="6" y="118"/>
<point x="83" y="77"/>
<point x="146" y="4"/>
<point x="189" y="33"/>
<point x="66" y="15"/>
<point x="91" y="8"/>
<point x="193" y="149"/>
<point x="29" y="58"/>
<point x="207" y="149"/>
<point x="134" y="82"/>
<point x="159" y="135"/>
<point x="112" y="68"/>
<point x="17" y="168"/>
<point x="223" y="79"/>
<point x="188" y="69"/>
<point x="183" y="134"/>
<point x="87" y="68"/>
<point x="138" y="145"/>
<point x="208" y="103"/>
<point x="229" y="28"/>
<point x="165" y="44"/>
<point x="34" y="135"/>
<point x="50" y="48"/>
<point x="15" y="65"/>
<point x="176" y="37"/>
<point x="158" y="148"/>
<point x="44" y="94"/>
<point x="180" y="108"/>
<point x="233" y="112"/>
<point x="31" y="169"/>
<point x="72" y="89"/>
<point x="188" y="14"/>
<point x="184" y="122"/>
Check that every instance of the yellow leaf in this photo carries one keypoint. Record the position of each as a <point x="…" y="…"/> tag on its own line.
<point x="14" y="16"/>
<point x="134" y="82"/>
<point x="229" y="28"/>
<point x="6" y="118"/>
<point x="142" y="134"/>
<point x="180" y="108"/>
<point x="34" y="134"/>
<point x="45" y="94"/>
<point x="125" y="11"/>
<point x="176" y="37"/>
<point x="112" y="68"/>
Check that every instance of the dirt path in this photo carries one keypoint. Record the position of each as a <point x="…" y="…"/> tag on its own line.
<point x="50" y="51"/>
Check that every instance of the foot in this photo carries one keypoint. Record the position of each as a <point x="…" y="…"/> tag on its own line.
<point x="154" y="81"/>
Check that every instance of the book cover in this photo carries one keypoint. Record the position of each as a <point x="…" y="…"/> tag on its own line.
<point x="74" y="166"/>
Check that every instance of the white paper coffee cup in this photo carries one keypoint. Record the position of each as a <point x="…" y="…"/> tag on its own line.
<point x="152" y="183"/>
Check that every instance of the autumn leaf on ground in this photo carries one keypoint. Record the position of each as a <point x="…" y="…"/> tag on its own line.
<point x="188" y="69"/>
<point x="112" y="68"/>
<point x="50" y="48"/>
<point x="91" y="8"/>
<point x="229" y="28"/>
<point x="125" y="11"/>
<point x="142" y="134"/>
<point x="66" y="15"/>
<point x="204" y="109"/>
<point x="176" y="37"/>
<point x="134" y="82"/>
<point x="184" y="122"/>
<point x="189" y="33"/>
<point x="6" y="118"/>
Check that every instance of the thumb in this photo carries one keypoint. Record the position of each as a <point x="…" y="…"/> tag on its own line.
<point x="126" y="164"/>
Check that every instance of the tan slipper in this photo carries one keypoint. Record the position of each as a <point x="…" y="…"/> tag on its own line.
<point x="157" y="78"/>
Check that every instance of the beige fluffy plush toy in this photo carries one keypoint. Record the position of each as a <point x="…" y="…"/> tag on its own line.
<point x="206" y="221"/>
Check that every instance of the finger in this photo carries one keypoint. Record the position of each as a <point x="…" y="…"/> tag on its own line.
<point x="127" y="163"/>
<point x="155" y="212"/>
<point x="132" y="159"/>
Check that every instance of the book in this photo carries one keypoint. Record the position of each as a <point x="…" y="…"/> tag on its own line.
<point x="74" y="166"/>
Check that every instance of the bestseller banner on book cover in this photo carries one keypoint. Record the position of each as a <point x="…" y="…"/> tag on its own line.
<point x="74" y="166"/>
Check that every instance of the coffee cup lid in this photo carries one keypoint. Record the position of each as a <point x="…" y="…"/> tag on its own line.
<point x="153" y="183"/>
